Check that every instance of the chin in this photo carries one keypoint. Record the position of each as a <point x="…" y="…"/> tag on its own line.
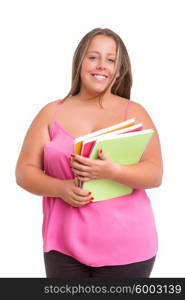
<point x="98" y="89"/>
<point x="94" y="89"/>
<point x="95" y="93"/>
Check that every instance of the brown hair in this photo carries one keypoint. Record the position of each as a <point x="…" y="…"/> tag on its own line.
<point x="123" y="83"/>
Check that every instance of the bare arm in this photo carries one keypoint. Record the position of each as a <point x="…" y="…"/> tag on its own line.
<point x="29" y="168"/>
<point x="143" y="175"/>
<point x="30" y="173"/>
<point x="148" y="172"/>
<point x="34" y="180"/>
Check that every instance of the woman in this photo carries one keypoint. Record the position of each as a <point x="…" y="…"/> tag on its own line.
<point x="112" y="238"/>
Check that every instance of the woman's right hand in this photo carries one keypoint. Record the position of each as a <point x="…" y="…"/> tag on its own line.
<point x="74" y="195"/>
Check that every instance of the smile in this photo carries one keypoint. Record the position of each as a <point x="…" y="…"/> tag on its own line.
<point x="99" y="77"/>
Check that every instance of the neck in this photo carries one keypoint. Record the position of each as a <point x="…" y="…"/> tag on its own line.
<point x="89" y="97"/>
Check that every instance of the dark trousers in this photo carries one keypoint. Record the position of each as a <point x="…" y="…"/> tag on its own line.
<point x="59" y="265"/>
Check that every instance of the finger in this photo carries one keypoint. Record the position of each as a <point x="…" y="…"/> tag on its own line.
<point x="81" y="204"/>
<point x="80" y="173"/>
<point x="77" y="181"/>
<point x="79" y="201"/>
<point x="81" y="159"/>
<point x="84" y="179"/>
<point x="81" y="192"/>
<point x="79" y="166"/>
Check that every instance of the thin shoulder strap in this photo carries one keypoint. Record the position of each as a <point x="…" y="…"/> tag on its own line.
<point x="55" y="116"/>
<point x="127" y="109"/>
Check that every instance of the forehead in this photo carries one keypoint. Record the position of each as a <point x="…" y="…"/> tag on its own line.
<point x="103" y="44"/>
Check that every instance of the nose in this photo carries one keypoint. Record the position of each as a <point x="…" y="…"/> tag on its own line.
<point x="101" y="65"/>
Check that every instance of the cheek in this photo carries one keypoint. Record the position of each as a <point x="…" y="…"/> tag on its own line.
<point x="112" y="68"/>
<point x="84" y="70"/>
<point x="87" y="66"/>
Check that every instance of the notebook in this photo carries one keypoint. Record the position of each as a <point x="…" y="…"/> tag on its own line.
<point x="126" y="148"/>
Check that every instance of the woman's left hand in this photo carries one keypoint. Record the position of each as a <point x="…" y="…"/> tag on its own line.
<point x="86" y="169"/>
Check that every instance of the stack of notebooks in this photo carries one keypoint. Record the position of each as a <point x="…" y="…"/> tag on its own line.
<point x="123" y="143"/>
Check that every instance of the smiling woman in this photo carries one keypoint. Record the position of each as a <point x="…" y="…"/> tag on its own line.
<point x="98" y="67"/>
<point x="111" y="238"/>
<point x="104" y="48"/>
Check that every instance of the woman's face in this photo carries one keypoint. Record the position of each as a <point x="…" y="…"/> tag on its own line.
<point x="98" y="65"/>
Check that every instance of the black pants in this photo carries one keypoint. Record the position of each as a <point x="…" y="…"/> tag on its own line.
<point x="59" y="265"/>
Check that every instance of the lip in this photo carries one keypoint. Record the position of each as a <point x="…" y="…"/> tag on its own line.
<point x="98" y="74"/>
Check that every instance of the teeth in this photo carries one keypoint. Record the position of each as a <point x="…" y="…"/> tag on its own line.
<point x="99" y="76"/>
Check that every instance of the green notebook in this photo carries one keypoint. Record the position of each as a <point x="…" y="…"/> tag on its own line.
<point x="125" y="149"/>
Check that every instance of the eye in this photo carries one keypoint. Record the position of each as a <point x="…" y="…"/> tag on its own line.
<point x="111" y="60"/>
<point x="92" y="57"/>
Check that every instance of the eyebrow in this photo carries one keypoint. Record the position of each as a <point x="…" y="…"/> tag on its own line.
<point x="99" y="52"/>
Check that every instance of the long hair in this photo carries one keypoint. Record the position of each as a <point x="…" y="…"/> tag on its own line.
<point x="123" y="83"/>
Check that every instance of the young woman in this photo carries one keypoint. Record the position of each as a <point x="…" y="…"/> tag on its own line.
<point x="111" y="238"/>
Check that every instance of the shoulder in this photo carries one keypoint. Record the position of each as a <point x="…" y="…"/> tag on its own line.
<point x="119" y="99"/>
<point x="47" y="112"/>
<point x="133" y="106"/>
<point x="140" y="113"/>
<point x="137" y="108"/>
<point x="50" y="106"/>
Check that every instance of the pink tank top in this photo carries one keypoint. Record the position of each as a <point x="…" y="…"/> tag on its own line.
<point x="111" y="232"/>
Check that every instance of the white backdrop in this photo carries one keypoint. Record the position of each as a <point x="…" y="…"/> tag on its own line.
<point x="38" y="39"/>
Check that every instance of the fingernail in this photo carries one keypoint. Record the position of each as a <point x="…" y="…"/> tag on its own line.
<point x="100" y="150"/>
<point x="89" y="193"/>
<point x="92" y="198"/>
<point x="72" y="155"/>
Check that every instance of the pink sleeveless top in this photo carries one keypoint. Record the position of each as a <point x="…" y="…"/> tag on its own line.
<point x="115" y="231"/>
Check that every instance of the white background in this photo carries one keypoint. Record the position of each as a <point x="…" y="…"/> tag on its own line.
<point x="38" y="39"/>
